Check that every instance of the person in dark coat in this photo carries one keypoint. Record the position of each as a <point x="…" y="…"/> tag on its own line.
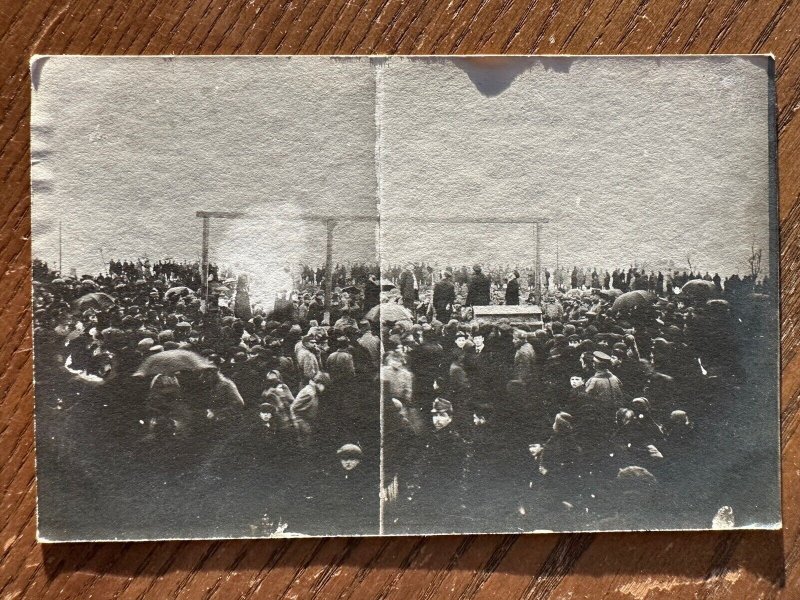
<point x="409" y="287"/>
<point x="604" y="387"/>
<point x="441" y="466"/>
<point x="316" y="308"/>
<point x="444" y="295"/>
<point x="512" y="289"/>
<point x="372" y="292"/>
<point x="479" y="365"/>
<point x="242" y="308"/>
<point x="479" y="288"/>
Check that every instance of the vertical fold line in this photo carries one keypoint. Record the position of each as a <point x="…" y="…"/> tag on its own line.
<point x="378" y="69"/>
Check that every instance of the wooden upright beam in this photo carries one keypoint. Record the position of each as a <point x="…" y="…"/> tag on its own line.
<point x="204" y="258"/>
<point x="330" y="224"/>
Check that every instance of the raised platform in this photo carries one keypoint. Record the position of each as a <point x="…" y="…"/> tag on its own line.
<point x="523" y="313"/>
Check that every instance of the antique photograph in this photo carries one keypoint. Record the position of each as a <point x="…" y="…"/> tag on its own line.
<point x="205" y="266"/>
<point x="325" y="296"/>
<point x="587" y="251"/>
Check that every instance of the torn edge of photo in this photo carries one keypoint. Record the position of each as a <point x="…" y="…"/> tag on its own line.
<point x="357" y="296"/>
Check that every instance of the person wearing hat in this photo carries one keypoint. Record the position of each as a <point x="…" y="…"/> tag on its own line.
<point x="345" y="320"/>
<point x="525" y="367"/>
<point x="316" y="308"/>
<point x="339" y="363"/>
<point x="559" y="460"/>
<point x="604" y="387"/>
<point x="370" y="340"/>
<point x="478" y="288"/>
<point x="444" y="296"/>
<point x="479" y="363"/>
<point x="372" y="292"/>
<point x="409" y="287"/>
<point x="512" y="289"/>
<point x="305" y="408"/>
<point x="144" y="345"/>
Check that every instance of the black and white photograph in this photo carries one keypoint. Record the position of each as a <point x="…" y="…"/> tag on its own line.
<point x="205" y="265"/>
<point x="326" y="296"/>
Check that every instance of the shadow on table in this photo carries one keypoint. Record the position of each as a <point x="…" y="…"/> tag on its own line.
<point x="691" y="556"/>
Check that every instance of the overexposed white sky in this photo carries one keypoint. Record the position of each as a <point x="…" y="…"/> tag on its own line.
<point x="126" y="150"/>
<point x="630" y="158"/>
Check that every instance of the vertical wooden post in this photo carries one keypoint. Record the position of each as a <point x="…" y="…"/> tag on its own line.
<point x="60" y="272"/>
<point x="204" y="256"/>
<point x="329" y="224"/>
<point x="538" y="265"/>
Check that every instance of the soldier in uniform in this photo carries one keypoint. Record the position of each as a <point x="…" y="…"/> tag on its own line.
<point x="441" y="468"/>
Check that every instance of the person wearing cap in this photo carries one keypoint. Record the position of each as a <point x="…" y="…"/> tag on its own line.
<point x="442" y="413"/>
<point x="308" y="358"/>
<point x="347" y="491"/>
<point x="478" y="288"/>
<point x="604" y="387"/>
<point x="349" y="456"/>
<point x="444" y="296"/>
<point x="440" y="467"/>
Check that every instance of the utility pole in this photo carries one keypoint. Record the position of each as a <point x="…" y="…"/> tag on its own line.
<point x="60" y="272"/>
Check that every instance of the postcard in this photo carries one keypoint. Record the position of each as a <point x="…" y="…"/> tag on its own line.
<point x="360" y="296"/>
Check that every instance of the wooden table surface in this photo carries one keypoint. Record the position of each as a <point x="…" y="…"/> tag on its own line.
<point x="636" y="565"/>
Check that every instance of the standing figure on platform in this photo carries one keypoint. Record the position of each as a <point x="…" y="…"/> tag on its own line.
<point x="512" y="289"/>
<point x="409" y="287"/>
<point x="479" y="288"/>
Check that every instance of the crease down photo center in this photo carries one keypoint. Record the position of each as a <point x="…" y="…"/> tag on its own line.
<point x="366" y="296"/>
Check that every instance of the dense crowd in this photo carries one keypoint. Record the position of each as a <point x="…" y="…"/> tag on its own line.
<point x="208" y="400"/>
<point x="199" y="403"/>
<point x="612" y="406"/>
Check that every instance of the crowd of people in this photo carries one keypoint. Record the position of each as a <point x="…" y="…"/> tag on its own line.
<point x="207" y="400"/>
<point x="513" y="285"/>
<point x="593" y="417"/>
<point x="342" y="274"/>
<point x="205" y="406"/>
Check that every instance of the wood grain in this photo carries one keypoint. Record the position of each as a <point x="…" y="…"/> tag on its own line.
<point x="635" y="565"/>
